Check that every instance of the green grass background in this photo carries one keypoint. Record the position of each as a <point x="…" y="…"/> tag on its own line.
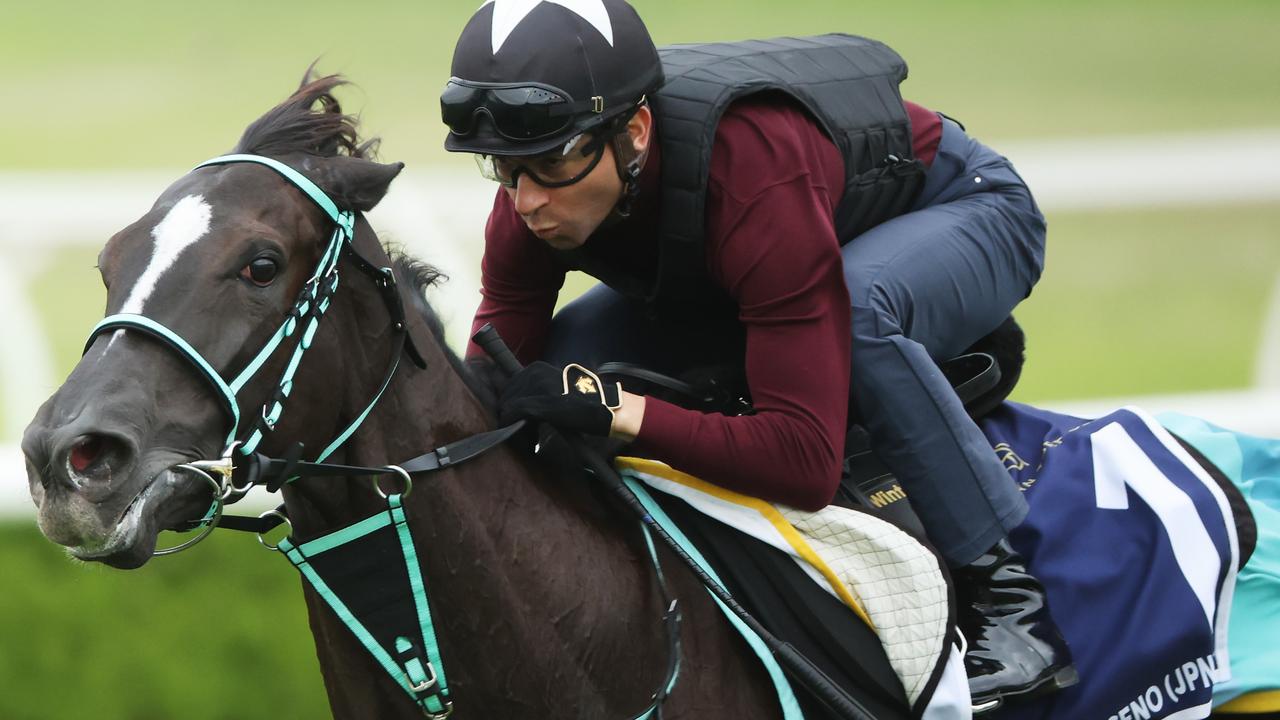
<point x="1133" y="301"/>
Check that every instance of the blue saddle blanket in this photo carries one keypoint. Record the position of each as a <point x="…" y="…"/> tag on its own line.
<point x="1137" y="546"/>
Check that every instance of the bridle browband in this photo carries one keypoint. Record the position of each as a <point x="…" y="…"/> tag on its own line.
<point x="415" y="667"/>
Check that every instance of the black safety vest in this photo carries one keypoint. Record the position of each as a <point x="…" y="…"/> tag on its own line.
<point x="849" y="84"/>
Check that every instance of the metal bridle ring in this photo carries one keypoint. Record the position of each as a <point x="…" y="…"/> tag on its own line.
<point x="210" y="524"/>
<point x="232" y="489"/>
<point x="408" y="481"/>
<point x="235" y="490"/>
<point x="283" y="517"/>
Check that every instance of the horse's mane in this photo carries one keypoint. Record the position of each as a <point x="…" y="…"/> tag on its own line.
<point x="294" y="126"/>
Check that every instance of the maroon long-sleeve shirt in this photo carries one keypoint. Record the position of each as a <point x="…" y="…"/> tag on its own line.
<point x="775" y="181"/>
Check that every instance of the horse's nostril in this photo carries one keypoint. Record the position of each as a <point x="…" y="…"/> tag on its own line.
<point x="85" y="452"/>
<point x="95" y="455"/>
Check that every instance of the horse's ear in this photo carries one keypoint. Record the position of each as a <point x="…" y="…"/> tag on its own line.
<point x="354" y="183"/>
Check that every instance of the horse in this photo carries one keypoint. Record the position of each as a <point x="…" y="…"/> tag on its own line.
<point x="546" y="603"/>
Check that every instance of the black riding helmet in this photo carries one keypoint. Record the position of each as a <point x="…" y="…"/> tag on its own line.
<point x="530" y="76"/>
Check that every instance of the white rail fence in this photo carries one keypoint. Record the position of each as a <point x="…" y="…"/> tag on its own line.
<point x="439" y="217"/>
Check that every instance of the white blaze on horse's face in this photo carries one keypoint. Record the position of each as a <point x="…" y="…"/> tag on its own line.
<point x="185" y="223"/>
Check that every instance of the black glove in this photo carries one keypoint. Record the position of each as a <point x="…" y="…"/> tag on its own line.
<point x="486" y="380"/>
<point x="538" y="392"/>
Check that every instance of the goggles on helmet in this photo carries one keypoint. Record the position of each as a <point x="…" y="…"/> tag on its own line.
<point x="518" y="111"/>
<point x="559" y="168"/>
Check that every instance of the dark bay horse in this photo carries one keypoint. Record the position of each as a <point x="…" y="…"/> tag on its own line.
<point x="544" y="600"/>
<point x="545" y="603"/>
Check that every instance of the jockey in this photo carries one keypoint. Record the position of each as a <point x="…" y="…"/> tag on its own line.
<point x="728" y="227"/>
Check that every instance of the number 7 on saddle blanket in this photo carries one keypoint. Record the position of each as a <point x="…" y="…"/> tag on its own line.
<point x="1162" y="583"/>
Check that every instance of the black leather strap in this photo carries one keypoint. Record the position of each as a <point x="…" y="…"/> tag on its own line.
<point x="385" y="280"/>
<point x="971" y="375"/>
<point x="259" y="525"/>
<point x="636" y="372"/>
<point x="709" y="397"/>
<point x="274" y="471"/>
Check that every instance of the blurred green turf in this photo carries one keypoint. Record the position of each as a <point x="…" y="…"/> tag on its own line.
<point x="138" y="84"/>
<point x="217" y="633"/>
<point x="1150" y="301"/>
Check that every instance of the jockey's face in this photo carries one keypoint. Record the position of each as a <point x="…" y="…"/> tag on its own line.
<point x="565" y="217"/>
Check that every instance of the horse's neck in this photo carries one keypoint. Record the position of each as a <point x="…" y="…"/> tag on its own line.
<point x="532" y="587"/>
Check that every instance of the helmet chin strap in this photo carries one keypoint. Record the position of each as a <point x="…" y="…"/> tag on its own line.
<point x="628" y="172"/>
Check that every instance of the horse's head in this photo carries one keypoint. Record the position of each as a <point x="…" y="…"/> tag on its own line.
<point x="218" y="260"/>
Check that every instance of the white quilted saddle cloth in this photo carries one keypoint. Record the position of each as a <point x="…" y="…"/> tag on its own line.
<point x="894" y="583"/>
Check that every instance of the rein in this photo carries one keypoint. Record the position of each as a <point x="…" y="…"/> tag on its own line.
<point x="414" y="665"/>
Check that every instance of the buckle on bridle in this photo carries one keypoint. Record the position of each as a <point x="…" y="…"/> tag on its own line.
<point x="428" y="682"/>
<point x="420" y="677"/>
<point x="271" y="424"/>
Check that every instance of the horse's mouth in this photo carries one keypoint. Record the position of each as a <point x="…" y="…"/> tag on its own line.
<point x="132" y="541"/>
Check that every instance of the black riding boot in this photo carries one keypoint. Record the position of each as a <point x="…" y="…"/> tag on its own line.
<point x="1015" y="650"/>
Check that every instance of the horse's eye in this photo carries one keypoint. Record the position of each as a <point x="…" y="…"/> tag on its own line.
<point x="260" y="272"/>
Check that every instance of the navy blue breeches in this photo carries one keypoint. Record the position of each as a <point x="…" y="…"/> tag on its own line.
<point x="924" y="285"/>
<point x="927" y="285"/>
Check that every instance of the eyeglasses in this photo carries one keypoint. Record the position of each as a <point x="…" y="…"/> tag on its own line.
<point x="519" y="111"/>
<point x="559" y="168"/>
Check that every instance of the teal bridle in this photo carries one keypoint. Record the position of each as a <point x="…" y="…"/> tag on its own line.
<point x="415" y="666"/>
<point x="302" y="322"/>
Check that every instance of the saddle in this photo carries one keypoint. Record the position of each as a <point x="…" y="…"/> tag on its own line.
<point x="982" y="378"/>
<point x="855" y="654"/>
<point x="867" y="652"/>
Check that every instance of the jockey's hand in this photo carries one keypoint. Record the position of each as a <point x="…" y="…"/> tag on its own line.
<point x="489" y="379"/>
<point x="568" y="398"/>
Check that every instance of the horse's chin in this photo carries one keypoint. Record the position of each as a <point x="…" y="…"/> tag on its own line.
<point x="133" y="540"/>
